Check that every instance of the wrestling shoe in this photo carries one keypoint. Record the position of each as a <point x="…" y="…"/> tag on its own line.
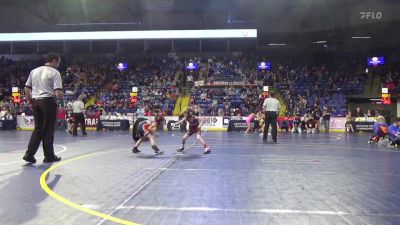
<point x="180" y="150"/>
<point x="29" y="159"/>
<point x="135" y="150"/>
<point x="158" y="152"/>
<point x="207" y="151"/>
<point x="52" y="159"/>
<point x="392" y="145"/>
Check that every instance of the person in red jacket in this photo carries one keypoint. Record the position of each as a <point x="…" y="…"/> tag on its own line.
<point x="195" y="124"/>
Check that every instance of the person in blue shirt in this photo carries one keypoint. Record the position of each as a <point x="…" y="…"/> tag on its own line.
<point x="394" y="132"/>
<point x="380" y="130"/>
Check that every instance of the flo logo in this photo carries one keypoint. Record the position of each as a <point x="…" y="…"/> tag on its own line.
<point x="370" y="15"/>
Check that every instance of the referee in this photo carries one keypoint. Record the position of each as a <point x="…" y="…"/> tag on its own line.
<point x="78" y="108"/>
<point x="271" y="108"/>
<point x="42" y="88"/>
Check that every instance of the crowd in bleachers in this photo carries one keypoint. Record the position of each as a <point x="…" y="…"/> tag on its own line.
<point x="111" y="87"/>
<point x="98" y="78"/>
<point x="13" y="74"/>
<point x="232" y="69"/>
<point x="391" y="80"/>
<point x="305" y="86"/>
<point x="234" y="86"/>
<point x="228" y="101"/>
<point x="231" y="88"/>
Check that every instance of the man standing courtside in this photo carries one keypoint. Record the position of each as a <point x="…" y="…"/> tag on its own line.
<point x="271" y="108"/>
<point x="43" y="86"/>
<point x="78" y="109"/>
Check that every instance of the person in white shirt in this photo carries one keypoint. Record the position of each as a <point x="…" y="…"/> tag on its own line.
<point x="3" y="114"/>
<point x="140" y="111"/>
<point x="190" y="80"/>
<point x="78" y="109"/>
<point x="271" y="109"/>
<point x="8" y="115"/>
<point x="43" y="86"/>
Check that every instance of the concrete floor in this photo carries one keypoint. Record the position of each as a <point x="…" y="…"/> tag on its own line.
<point x="304" y="179"/>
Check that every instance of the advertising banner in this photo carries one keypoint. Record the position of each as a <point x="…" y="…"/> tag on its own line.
<point x="114" y="124"/>
<point x="212" y="123"/>
<point x="91" y="120"/>
<point x="25" y="122"/>
<point x="337" y="123"/>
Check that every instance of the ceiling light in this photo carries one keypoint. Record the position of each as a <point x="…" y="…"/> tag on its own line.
<point x="361" y="37"/>
<point x="276" y="44"/>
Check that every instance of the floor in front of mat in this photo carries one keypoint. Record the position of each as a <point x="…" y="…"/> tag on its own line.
<point x="303" y="179"/>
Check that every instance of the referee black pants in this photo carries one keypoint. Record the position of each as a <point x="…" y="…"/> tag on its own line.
<point x="79" y="118"/>
<point x="271" y="119"/>
<point x="44" y="114"/>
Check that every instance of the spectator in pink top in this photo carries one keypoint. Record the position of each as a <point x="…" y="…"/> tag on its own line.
<point x="249" y="119"/>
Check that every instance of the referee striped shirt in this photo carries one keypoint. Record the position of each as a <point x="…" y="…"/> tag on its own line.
<point x="271" y="105"/>
<point x="44" y="81"/>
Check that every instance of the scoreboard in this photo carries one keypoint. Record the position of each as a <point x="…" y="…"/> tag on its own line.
<point x="385" y="97"/>
<point x="134" y="95"/>
<point x="265" y="92"/>
<point x="15" y="95"/>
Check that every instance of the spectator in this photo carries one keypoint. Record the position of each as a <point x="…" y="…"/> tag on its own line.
<point x="358" y="113"/>
<point x="61" y="122"/>
<point x="394" y="133"/>
<point x="6" y="115"/>
<point x="316" y="113"/>
<point x="296" y="127"/>
<point x="350" y="123"/>
<point x="140" y="111"/>
<point x="380" y="130"/>
<point x="370" y="114"/>
<point x="260" y="117"/>
<point x="326" y="117"/>
<point x="311" y="124"/>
